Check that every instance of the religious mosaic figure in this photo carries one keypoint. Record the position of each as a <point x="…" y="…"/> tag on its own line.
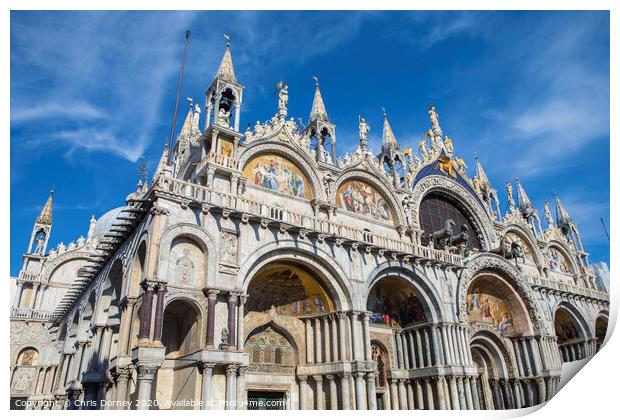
<point x="276" y="174"/>
<point x="358" y="197"/>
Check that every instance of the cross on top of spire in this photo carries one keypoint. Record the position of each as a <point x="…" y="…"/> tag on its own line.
<point x="318" y="110"/>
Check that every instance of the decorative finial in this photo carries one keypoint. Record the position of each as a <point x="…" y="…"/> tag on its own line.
<point x="187" y="34"/>
<point x="384" y="112"/>
<point x="227" y="38"/>
<point x="316" y="80"/>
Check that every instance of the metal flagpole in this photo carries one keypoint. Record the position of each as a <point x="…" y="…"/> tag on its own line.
<point x="176" y="107"/>
<point x="605" y="229"/>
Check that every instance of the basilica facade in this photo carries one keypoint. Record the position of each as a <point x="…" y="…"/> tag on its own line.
<point x="258" y="269"/>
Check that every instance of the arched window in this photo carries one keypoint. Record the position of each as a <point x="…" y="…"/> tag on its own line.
<point x="435" y="209"/>
<point x="267" y="356"/>
<point x="256" y="354"/>
<point x="28" y="357"/>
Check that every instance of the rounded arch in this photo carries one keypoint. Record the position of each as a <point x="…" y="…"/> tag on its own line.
<point x="491" y="264"/>
<point x="526" y="236"/>
<point x="281" y="330"/>
<point x="203" y="239"/>
<point x="583" y="326"/>
<point x="181" y="327"/>
<point x="424" y="289"/>
<point x="137" y="270"/>
<point x="298" y="157"/>
<point x="27" y="355"/>
<point x="87" y="316"/>
<point x="565" y="253"/>
<point x="379" y="184"/>
<point x="381" y="357"/>
<point x="110" y="294"/>
<point x="316" y="261"/>
<point x="601" y="325"/>
<point x="488" y="348"/>
<point x="442" y="185"/>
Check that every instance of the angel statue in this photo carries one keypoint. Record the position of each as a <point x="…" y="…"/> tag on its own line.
<point x="511" y="201"/>
<point x="432" y="113"/>
<point x="547" y="214"/>
<point x="423" y="151"/>
<point x="282" y="95"/>
<point x="223" y="118"/>
<point x="364" y="129"/>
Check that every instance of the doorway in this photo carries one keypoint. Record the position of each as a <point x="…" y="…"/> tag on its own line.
<point x="266" y="400"/>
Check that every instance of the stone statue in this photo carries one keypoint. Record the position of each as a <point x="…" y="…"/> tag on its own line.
<point x="547" y="213"/>
<point x="509" y="250"/>
<point x="423" y="151"/>
<point x="432" y="113"/>
<point x="283" y="97"/>
<point x="328" y="180"/>
<point x="40" y="243"/>
<point x="364" y="129"/>
<point x="448" y="145"/>
<point x="439" y="236"/>
<point x="511" y="201"/>
<point x="223" y="118"/>
<point x="225" y="338"/>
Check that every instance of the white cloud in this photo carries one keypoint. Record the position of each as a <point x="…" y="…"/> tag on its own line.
<point x="78" y="110"/>
<point x="93" y="140"/>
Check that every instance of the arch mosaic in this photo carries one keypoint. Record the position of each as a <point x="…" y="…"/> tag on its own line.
<point x="493" y="264"/>
<point x="561" y="256"/>
<point x="302" y="161"/>
<point x="577" y="318"/>
<point x="423" y="288"/>
<point x="292" y="328"/>
<point x="436" y="183"/>
<point x="315" y="260"/>
<point x="379" y="185"/>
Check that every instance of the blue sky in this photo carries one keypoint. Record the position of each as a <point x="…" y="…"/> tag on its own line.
<point x="92" y="92"/>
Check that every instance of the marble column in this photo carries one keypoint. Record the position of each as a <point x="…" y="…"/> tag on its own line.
<point x="517" y="348"/>
<point x="211" y="302"/>
<point x="360" y="391"/>
<point x="430" y="399"/>
<point x="345" y="381"/>
<point x="410" y="399"/>
<point x="326" y="341"/>
<point x="412" y="351"/>
<point x="232" y="320"/>
<point x="454" y="394"/>
<point x="419" y="349"/>
<point x="146" y="311"/>
<point x="394" y="395"/>
<point x="159" y="314"/>
<point x="146" y="376"/>
<point x="303" y="392"/>
<point x="526" y="356"/>
<point x="317" y="341"/>
<point x="403" y="341"/>
<point x="334" y="323"/>
<point x="320" y="399"/>
<point x="309" y="341"/>
<point x="402" y="395"/>
<point x="366" y="333"/>
<point x="124" y="341"/>
<point x="207" y="384"/>
<point x="427" y="348"/>
<point x="419" y="395"/>
<point x="333" y="392"/>
<point x="120" y="393"/>
<point x="342" y="342"/>
<point x="240" y="331"/>
<point x="371" y="391"/>
<point x="441" y="395"/>
<point x="231" y="387"/>
<point x="446" y="346"/>
<point x="436" y="359"/>
<point x="399" y="350"/>
<point x="468" y="393"/>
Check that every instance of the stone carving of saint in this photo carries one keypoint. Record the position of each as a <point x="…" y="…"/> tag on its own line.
<point x="185" y="269"/>
<point x="511" y="201"/>
<point x="547" y="213"/>
<point x="229" y="247"/>
<point x="364" y="129"/>
<point x="223" y="118"/>
<point x="432" y="113"/>
<point x="283" y="97"/>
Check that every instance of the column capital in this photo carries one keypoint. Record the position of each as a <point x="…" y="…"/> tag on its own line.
<point x="360" y="375"/>
<point x="330" y="378"/>
<point x="341" y="315"/>
<point x="302" y="378"/>
<point x="345" y="375"/>
<point x="147" y="371"/>
<point x="205" y="366"/>
<point x="233" y="296"/>
<point x="148" y="285"/>
<point x="123" y="374"/>
<point x="211" y="294"/>
<point x="317" y="378"/>
<point x="231" y="370"/>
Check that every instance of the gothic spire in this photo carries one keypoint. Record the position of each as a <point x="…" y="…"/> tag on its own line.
<point x="480" y="174"/>
<point x="561" y="214"/>
<point x="91" y="227"/>
<point x="45" y="217"/>
<point x="524" y="200"/>
<point x="226" y="71"/>
<point x="162" y="166"/>
<point x="318" y="107"/>
<point x="388" y="135"/>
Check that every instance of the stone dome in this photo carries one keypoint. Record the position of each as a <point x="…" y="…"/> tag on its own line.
<point x="104" y="223"/>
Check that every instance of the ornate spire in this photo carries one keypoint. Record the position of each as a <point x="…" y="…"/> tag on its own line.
<point x="45" y="217"/>
<point x="388" y="135"/>
<point x="547" y="214"/>
<point x="561" y="214"/>
<point x="318" y="107"/>
<point x="91" y="227"/>
<point x="226" y="71"/>
<point x="524" y="200"/>
<point x="162" y="166"/>
<point x="480" y="174"/>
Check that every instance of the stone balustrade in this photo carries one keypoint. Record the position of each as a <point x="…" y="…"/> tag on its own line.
<point x="569" y="288"/>
<point x="28" y="313"/>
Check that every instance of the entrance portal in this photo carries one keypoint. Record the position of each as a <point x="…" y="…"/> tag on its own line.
<point x="266" y="400"/>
